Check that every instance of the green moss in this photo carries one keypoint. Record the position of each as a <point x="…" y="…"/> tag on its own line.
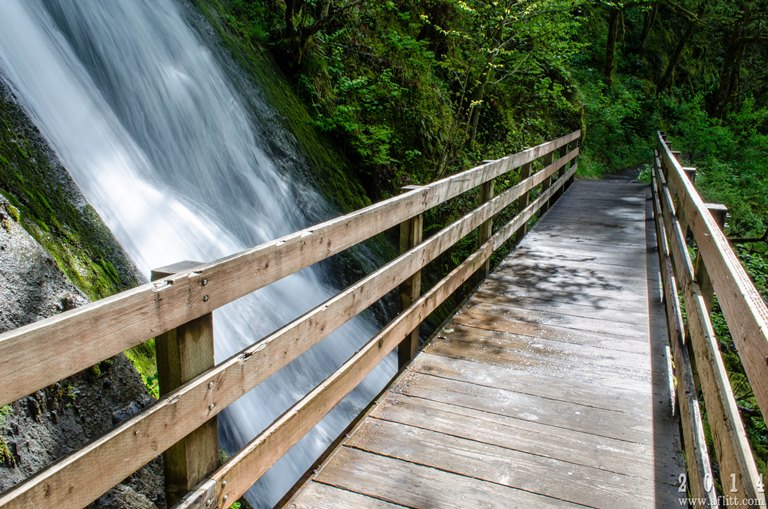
<point x="14" y="212"/>
<point x="5" y="411"/>
<point x="44" y="203"/>
<point x="144" y="360"/>
<point x="6" y="456"/>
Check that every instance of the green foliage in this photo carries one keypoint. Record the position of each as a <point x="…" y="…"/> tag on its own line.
<point x="5" y="411"/>
<point x="143" y="359"/>
<point x="243" y="27"/>
<point x="731" y="158"/>
<point x="6" y="456"/>
<point x="410" y="91"/>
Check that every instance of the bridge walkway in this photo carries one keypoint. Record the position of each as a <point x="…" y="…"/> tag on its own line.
<point x="549" y="388"/>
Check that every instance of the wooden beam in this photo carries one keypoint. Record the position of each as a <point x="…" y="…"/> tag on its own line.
<point x="411" y="234"/>
<point x="719" y="213"/>
<point x="559" y="193"/>
<point x="202" y="497"/>
<point x="547" y="183"/>
<point x="486" y="229"/>
<point x="522" y="202"/>
<point x="97" y="331"/>
<point x="238" y="474"/>
<point x="690" y="172"/>
<point x="182" y="354"/>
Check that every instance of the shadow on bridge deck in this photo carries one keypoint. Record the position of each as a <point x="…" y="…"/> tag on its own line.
<point x="550" y="388"/>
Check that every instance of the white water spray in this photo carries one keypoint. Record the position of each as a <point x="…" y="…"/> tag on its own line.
<point x="158" y="140"/>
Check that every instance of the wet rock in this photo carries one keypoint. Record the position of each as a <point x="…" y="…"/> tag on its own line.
<point x="43" y="427"/>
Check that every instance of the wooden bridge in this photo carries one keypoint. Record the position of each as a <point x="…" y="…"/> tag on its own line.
<point x="563" y="381"/>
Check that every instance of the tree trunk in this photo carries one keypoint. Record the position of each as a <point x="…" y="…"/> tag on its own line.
<point x="648" y="21"/>
<point x="610" y="46"/>
<point x="674" y="59"/>
<point x="729" y="77"/>
<point x="477" y="109"/>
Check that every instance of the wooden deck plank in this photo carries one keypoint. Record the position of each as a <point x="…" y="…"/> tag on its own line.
<point x="558" y="414"/>
<point x="547" y="267"/>
<point x="549" y="388"/>
<point x="583" y="239"/>
<point x="413" y="485"/>
<point x="500" y="324"/>
<point x="565" y="297"/>
<point x="505" y="312"/>
<point x="606" y="454"/>
<point x="317" y="495"/>
<point x="598" y="370"/>
<point x="624" y="315"/>
<point x="508" y="467"/>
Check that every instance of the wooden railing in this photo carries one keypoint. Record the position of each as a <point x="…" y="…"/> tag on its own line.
<point x="177" y="308"/>
<point x="683" y="223"/>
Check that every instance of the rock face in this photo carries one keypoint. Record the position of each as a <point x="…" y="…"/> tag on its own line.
<point x="40" y="428"/>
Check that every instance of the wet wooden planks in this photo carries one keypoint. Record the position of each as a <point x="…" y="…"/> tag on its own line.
<point x="550" y="388"/>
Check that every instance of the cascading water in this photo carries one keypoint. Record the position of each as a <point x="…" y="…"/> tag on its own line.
<point x="158" y="139"/>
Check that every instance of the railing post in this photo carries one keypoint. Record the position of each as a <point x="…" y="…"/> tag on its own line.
<point x="486" y="229"/>
<point x="559" y="174"/>
<point x="691" y="173"/>
<point x="572" y="162"/>
<point x="522" y="202"/>
<point x="182" y="354"/>
<point x="547" y="160"/>
<point x="411" y="232"/>
<point x="719" y="213"/>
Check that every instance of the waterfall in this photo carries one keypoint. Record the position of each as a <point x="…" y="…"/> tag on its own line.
<point x="159" y="141"/>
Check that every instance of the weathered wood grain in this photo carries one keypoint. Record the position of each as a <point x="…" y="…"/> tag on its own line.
<point x="536" y="356"/>
<point x="322" y="496"/>
<point x="527" y="436"/>
<point x="486" y="229"/>
<point x="414" y="485"/>
<point x="182" y="354"/>
<point x="517" y="374"/>
<point x="533" y="473"/>
<point x="238" y="474"/>
<point x="411" y="235"/>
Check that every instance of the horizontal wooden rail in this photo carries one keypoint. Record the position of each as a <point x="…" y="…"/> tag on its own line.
<point x="180" y="298"/>
<point x="678" y="210"/>
<point x="95" y="332"/>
